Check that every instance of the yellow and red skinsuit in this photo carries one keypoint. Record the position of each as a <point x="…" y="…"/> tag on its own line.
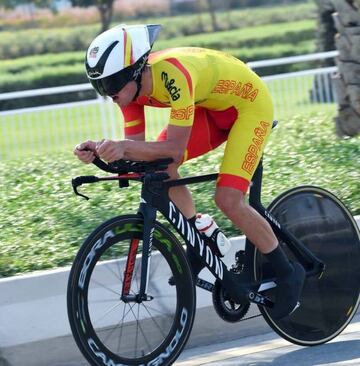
<point x="220" y="97"/>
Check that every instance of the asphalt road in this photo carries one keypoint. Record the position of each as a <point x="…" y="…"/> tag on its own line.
<point x="268" y="349"/>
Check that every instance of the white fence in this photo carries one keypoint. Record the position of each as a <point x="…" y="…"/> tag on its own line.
<point x="61" y="126"/>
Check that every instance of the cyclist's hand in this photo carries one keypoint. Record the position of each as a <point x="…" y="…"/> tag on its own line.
<point x="110" y="150"/>
<point x="86" y="151"/>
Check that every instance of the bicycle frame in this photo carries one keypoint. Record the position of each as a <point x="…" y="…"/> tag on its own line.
<point x="242" y="288"/>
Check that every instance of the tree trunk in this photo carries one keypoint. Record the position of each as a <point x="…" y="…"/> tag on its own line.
<point x="326" y="30"/>
<point x="212" y="10"/>
<point x="106" y="12"/>
<point x="346" y="19"/>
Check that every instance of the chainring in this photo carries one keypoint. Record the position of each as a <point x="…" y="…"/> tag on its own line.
<point x="226" y="308"/>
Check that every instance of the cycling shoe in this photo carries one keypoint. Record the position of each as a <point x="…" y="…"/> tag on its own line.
<point x="287" y="293"/>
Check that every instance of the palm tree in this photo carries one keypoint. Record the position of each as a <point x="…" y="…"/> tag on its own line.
<point x="345" y="22"/>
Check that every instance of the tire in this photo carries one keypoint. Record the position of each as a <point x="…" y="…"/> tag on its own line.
<point x="112" y="332"/>
<point x="326" y="227"/>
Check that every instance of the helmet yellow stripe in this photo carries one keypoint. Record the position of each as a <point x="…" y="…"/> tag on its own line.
<point x="127" y="49"/>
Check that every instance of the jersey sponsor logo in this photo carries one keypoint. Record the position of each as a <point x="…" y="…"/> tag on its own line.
<point x="245" y="91"/>
<point x="251" y="157"/>
<point x="183" y="113"/>
<point x="169" y="85"/>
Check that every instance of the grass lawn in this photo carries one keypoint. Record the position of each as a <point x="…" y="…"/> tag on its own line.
<point x="42" y="223"/>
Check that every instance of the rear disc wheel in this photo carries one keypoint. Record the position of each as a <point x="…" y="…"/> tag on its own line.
<point x="325" y="226"/>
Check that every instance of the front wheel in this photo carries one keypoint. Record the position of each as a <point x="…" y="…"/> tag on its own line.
<point x="322" y="222"/>
<point x="109" y="331"/>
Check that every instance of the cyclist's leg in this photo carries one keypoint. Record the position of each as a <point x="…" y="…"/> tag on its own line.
<point x="239" y="163"/>
<point x="244" y="149"/>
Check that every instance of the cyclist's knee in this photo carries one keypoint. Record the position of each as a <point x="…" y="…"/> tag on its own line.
<point x="230" y="201"/>
<point x="172" y="170"/>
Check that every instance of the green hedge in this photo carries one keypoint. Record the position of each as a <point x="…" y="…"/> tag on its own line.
<point x="43" y="78"/>
<point x="27" y="63"/>
<point x="265" y="35"/>
<point x="238" y="19"/>
<point x="39" y="41"/>
<point x="22" y="43"/>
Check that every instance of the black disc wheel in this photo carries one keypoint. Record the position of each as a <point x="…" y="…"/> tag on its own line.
<point x="329" y="301"/>
<point x="110" y="329"/>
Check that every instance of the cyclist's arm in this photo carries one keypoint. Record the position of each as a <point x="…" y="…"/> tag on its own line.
<point x="174" y="146"/>
<point x="134" y="122"/>
<point x="137" y="137"/>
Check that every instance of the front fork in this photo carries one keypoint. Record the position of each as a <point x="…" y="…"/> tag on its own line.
<point x="148" y="213"/>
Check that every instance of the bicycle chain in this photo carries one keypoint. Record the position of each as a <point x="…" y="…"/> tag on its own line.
<point x="250" y="317"/>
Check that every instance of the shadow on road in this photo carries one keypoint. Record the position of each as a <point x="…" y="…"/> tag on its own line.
<point x="310" y="356"/>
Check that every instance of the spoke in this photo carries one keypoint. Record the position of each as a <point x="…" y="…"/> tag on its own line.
<point x="136" y="336"/>
<point x="122" y="319"/>
<point x="108" y="288"/>
<point x="108" y="267"/>
<point x="121" y="330"/>
<point x="116" y="326"/>
<point x="166" y="314"/>
<point x="121" y="274"/>
<point x="142" y="332"/>
<point x="107" y="312"/>
<point x="154" y="269"/>
<point x="153" y="319"/>
<point x="103" y="300"/>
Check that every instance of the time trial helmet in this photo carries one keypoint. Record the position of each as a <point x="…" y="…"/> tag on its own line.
<point x="118" y="56"/>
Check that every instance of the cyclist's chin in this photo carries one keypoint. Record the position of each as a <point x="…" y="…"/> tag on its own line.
<point x="124" y="102"/>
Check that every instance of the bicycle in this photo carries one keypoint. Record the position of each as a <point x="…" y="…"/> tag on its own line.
<point x="152" y="318"/>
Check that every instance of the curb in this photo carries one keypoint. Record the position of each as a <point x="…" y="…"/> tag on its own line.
<point x="34" y="319"/>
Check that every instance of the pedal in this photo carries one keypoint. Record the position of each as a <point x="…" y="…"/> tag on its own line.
<point x="259" y="299"/>
<point x="266" y="286"/>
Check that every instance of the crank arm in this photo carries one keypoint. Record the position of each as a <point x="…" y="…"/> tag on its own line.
<point x="205" y="285"/>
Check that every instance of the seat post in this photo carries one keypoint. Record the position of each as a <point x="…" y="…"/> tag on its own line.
<point x="255" y="187"/>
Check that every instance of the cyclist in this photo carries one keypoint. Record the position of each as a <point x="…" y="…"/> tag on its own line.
<point x="214" y="98"/>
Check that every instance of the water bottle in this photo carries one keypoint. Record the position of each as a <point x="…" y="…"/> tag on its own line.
<point x="207" y="226"/>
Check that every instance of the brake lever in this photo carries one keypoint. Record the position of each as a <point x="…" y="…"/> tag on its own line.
<point x="80" y="194"/>
<point x="78" y="181"/>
